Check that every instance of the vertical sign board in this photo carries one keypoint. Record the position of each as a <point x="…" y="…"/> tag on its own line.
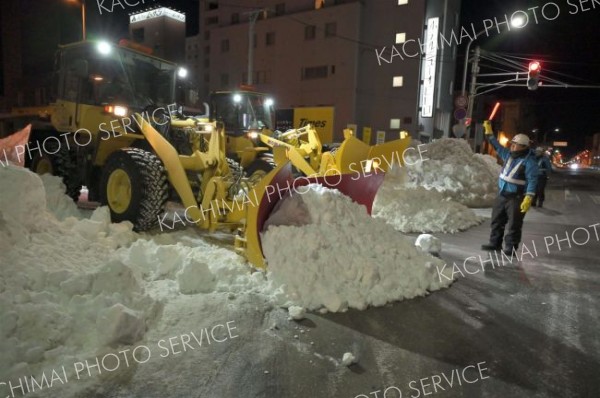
<point x="366" y="135"/>
<point x="320" y="117"/>
<point x="380" y="137"/>
<point x="429" y="67"/>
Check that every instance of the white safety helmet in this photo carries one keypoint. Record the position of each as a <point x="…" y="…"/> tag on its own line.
<point x="520" y="139"/>
<point x="539" y="150"/>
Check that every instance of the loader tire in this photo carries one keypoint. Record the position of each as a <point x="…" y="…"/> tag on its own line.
<point x="134" y="186"/>
<point x="60" y="162"/>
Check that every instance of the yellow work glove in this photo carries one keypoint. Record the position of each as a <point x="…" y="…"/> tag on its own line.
<point x="526" y="203"/>
<point x="487" y="127"/>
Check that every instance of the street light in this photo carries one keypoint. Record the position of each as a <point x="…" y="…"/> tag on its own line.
<point x="82" y="2"/>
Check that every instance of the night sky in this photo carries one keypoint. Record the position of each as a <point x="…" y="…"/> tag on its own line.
<point x="568" y="45"/>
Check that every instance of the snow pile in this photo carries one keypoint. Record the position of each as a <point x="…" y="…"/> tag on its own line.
<point x="62" y="294"/>
<point x="454" y="170"/>
<point x="341" y="257"/>
<point x="57" y="202"/>
<point x="183" y="263"/>
<point x="417" y="209"/>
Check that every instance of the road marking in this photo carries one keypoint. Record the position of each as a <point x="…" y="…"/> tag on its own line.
<point x="569" y="195"/>
<point x="595" y="199"/>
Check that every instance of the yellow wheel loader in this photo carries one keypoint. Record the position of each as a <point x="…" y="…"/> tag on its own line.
<point x="114" y="128"/>
<point x="245" y="114"/>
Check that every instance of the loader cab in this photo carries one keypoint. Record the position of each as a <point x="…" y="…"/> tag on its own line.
<point x="100" y="74"/>
<point x="242" y="111"/>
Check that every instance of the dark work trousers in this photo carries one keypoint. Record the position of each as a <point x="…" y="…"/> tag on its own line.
<point x="539" y="192"/>
<point x="507" y="209"/>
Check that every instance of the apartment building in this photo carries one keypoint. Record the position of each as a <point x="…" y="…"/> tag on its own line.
<point x="343" y="54"/>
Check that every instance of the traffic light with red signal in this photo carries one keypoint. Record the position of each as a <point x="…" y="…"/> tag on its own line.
<point x="533" y="76"/>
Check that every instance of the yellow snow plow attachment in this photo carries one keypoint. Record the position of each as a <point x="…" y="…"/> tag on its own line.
<point x="355" y="168"/>
<point x="304" y="149"/>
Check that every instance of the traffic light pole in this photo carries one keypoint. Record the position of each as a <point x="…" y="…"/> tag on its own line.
<point x="472" y="91"/>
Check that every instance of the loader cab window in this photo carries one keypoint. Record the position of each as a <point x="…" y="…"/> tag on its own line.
<point x="121" y="77"/>
<point x="242" y="111"/>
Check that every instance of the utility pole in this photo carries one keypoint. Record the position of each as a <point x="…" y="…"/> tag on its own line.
<point x="472" y="90"/>
<point x="252" y="17"/>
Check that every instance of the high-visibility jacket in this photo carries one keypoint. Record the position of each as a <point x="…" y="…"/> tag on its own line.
<point x="544" y="165"/>
<point x="518" y="175"/>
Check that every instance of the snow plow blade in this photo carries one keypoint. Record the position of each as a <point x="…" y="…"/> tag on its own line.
<point x="355" y="155"/>
<point x="360" y="187"/>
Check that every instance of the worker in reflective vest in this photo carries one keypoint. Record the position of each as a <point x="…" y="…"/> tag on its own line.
<point x="544" y="169"/>
<point x="516" y="189"/>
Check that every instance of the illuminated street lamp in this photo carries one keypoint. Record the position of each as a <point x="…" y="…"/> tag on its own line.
<point x="82" y="2"/>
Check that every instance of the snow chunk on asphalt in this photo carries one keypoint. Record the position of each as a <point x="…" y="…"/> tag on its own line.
<point x="429" y="243"/>
<point x="341" y="257"/>
<point x="348" y="359"/>
<point x="296" y="313"/>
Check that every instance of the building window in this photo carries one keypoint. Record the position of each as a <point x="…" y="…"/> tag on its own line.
<point x="224" y="45"/>
<point x="310" y="32"/>
<point x="270" y="38"/>
<point x="407" y="120"/>
<point x="235" y="18"/>
<point x="279" y="9"/>
<point x="138" y="35"/>
<point x="207" y="35"/>
<point x="212" y="5"/>
<point x="398" y="81"/>
<point x="260" y="77"/>
<point x="224" y="80"/>
<point x="394" y="123"/>
<point x="400" y="38"/>
<point x="212" y="20"/>
<point x="314" y="72"/>
<point x="333" y="69"/>
<point x="330" y="29"/>
<point x="207" y="50"/>
<point x="402" y="2"/>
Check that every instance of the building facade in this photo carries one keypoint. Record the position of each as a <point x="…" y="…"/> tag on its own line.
<point x="363" y="58"/>
<point x="161" y="29"/>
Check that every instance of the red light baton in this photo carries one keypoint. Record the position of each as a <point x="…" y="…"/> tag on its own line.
<point x="494" y="111"/>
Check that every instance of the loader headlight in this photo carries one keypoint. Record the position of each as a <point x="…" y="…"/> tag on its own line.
<point x="269" y="102"/>
<point x="117" y="110"/>
<point x="207" y="128"/>
<point x="182" y="73"/>
<point x="253" y="135"/>
<point x="104" y="48"/>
